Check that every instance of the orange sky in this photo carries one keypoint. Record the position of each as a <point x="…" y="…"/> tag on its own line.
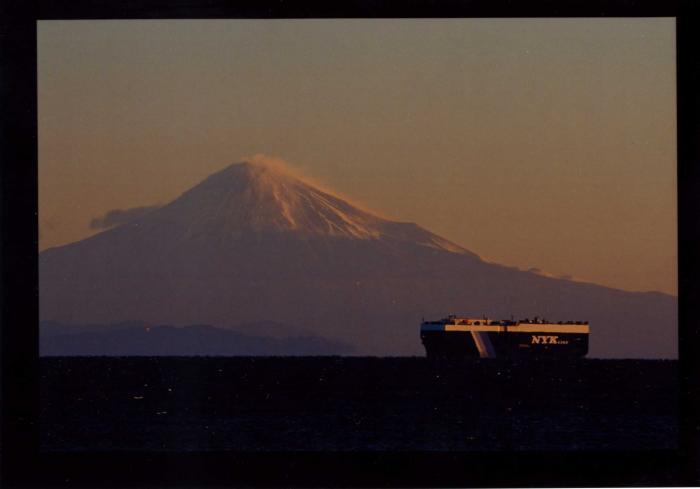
<point x="546" y="143"/>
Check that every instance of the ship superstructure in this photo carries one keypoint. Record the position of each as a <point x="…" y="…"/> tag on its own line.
<point x="482" y="337"/>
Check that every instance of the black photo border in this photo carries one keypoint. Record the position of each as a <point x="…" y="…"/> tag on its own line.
<point x="22" y="463"/>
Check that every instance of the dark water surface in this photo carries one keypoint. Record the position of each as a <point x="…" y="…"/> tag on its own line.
<point x="346" y="403"/>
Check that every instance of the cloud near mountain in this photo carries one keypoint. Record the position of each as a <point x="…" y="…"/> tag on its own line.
<point x="117" y="217"/>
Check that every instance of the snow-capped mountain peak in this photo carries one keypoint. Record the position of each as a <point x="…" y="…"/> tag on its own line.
<point x="255" y="197"/>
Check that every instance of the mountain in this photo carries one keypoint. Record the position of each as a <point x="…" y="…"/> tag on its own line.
<point x="141" y="339"/>
<point x="253" y="243"/>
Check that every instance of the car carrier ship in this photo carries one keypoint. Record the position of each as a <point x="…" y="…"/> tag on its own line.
<point x="481" y="337"/>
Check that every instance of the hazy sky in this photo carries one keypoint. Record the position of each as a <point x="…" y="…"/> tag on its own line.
<point x="546" y="143"/>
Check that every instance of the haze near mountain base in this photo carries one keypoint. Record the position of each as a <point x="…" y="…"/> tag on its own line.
<point x="255" y="243"/>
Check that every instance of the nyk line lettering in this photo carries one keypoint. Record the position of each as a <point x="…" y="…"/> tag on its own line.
<point x="547" y="340"/>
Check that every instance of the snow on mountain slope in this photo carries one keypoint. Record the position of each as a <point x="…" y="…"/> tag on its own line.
<point x="251" y="197"/>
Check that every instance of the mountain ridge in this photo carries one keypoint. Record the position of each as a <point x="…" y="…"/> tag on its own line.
<point x="198" y="339"/>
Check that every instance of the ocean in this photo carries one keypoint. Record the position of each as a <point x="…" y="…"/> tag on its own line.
<point x="260" y="404"/>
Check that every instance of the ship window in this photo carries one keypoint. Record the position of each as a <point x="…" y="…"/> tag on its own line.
<point x="476" y="323"/>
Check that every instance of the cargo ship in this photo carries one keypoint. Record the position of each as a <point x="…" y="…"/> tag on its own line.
<point x="481" y="337"/>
